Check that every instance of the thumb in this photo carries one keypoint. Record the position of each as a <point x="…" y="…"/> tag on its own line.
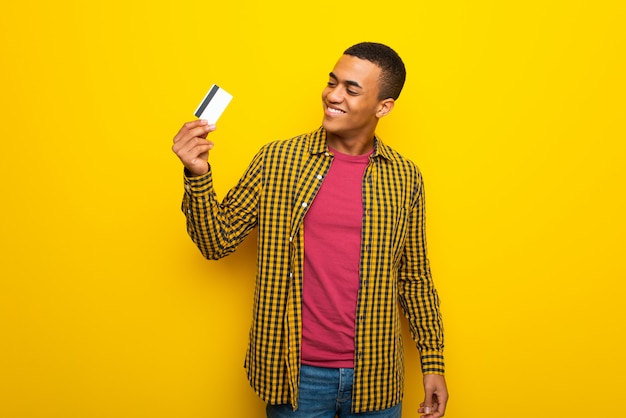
<point x="428" y="404"/>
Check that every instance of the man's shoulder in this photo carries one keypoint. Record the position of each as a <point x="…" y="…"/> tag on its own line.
<point x="287" y="142"/>
<point x="296" y="143"/>
<point x="395" y="157"/>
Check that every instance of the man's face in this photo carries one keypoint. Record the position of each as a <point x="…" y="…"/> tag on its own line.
<point x="351" y="98"/>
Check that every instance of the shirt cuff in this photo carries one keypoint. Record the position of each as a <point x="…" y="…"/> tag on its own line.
<point x="198" y="185"/>
<point x="433" y="363"/>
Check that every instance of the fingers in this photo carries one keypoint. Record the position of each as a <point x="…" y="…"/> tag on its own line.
<point x="429" y="409"/>
<point x="434" y="410"/>
<point x="197" y="128"/>
<point x="192" y="147"/>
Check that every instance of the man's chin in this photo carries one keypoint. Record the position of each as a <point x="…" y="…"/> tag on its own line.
<point x="330" y="126"/>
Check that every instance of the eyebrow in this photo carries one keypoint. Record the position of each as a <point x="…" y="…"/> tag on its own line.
<point x="349" y="82"/>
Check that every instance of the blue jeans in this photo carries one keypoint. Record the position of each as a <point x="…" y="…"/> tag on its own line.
<point x="326" y="393"/>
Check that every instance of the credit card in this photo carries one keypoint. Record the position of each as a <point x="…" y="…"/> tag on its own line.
<point x="213" y="104"/>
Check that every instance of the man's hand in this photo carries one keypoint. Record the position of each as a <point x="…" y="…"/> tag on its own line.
<point x="192" y="147"/>
<point x="434" y="405"/>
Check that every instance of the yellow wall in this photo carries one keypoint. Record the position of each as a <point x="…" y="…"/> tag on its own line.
<point x="514" y="112"/>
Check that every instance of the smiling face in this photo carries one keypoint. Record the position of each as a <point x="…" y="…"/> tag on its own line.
<point x="352" y="107"/>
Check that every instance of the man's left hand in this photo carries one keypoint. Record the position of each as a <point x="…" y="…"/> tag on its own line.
<point x="436" y="396"/>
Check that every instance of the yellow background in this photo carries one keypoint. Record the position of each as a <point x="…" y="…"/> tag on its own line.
<point x="513" y="110"/>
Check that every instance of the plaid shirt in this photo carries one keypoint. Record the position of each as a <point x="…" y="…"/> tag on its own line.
<point x="274" y="194"/>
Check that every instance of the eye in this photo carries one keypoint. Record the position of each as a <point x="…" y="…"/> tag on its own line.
<point x="352" y="92"/>
<point x="332" y="83"/>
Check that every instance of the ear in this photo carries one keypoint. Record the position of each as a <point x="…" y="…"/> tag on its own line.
<point x="384" y="107"/>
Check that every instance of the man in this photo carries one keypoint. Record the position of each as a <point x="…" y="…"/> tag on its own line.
<point x="341" y="241"/>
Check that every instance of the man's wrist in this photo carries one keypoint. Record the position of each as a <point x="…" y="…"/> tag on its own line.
<point x="198" y="185"/>
<point x="190" y="174"/>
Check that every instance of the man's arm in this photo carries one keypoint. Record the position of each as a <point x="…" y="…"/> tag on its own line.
<point x="216" y="228"/>
<point x="420" y="302"/>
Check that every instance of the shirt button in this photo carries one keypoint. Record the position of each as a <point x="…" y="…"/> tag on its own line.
<point x="326" y="154"/>
<point x="319" y="176"/>
<point x="188" y="187"/>
<point x="290" y="239"/>
<point x="304" y="204"/>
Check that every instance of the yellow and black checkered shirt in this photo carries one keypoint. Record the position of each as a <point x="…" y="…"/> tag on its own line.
<point x="274" y="194"/>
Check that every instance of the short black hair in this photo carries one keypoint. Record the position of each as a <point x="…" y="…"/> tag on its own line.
<point x="393" y="72"/>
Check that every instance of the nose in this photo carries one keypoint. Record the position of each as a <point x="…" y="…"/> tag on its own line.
<point x="334" y="94"/>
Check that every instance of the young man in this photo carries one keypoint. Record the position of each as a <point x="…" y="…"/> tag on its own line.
<point x="341" y="241"/>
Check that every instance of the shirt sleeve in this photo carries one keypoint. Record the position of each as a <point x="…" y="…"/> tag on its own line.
<point x="217" y="228"/>
<point x="418" y="296"/>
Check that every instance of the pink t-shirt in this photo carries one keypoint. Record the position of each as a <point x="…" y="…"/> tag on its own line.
<point x="332" y="252"/>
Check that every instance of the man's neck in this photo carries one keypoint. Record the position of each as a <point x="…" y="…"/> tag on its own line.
<point x="351" y="145"/>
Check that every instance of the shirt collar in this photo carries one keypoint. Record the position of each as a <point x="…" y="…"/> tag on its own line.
<point x="317" y="145"/>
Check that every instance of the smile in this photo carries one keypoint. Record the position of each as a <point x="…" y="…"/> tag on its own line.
<point x="335" y="111"/>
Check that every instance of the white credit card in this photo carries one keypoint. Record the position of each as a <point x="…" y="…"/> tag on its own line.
<point x="213" y="104"/>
